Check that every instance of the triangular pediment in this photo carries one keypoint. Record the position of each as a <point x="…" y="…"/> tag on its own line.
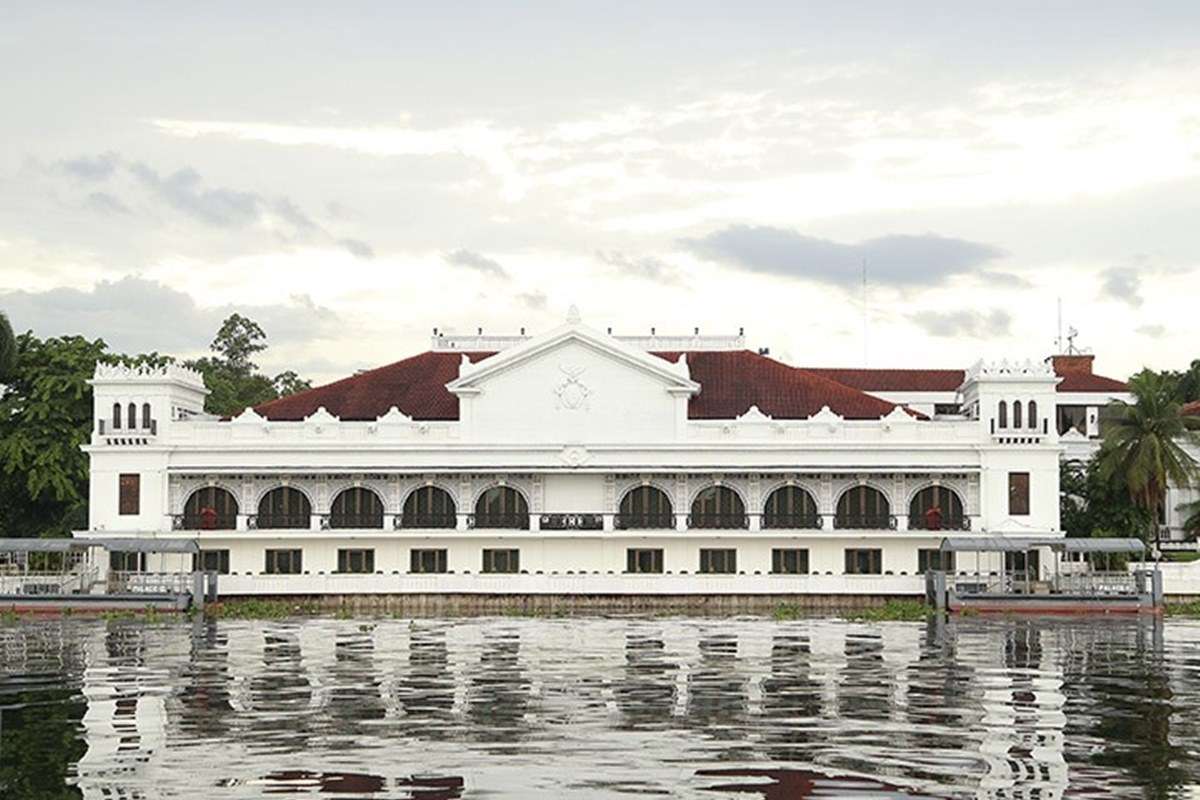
<point x="673" y="375"/>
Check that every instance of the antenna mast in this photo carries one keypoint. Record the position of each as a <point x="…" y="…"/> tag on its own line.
<point x="864" y="309"/>
<point x="1058" y="338"/>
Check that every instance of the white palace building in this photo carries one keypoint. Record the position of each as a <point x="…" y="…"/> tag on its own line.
<point x="578" y="462"/>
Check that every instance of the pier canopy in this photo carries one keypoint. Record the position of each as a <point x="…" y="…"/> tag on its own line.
<point x="42" y="545"/>
<point x="1017" y="544"/>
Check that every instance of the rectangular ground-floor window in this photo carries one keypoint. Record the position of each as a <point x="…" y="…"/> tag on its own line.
<point x="124" y="561"/>
<point x="501" y="561"/>
<point x="718" y="562"/>
<point x="640" y="560"/>
<point x="864" y="562"/>
<point x="283" y="562"/>
<point x="211" y="561"/>
<point x="789" y="561"/>
<point x="427" y="561"/>
<point x="1023" y="562"/>
<point x="359" y="561"/>
<point x="936" y="560"/>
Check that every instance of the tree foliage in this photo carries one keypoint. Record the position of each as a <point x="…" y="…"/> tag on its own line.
<point x="46" y="415"/>
<point x="1144" y="446"/>
<point x="8" y="348"/>
<point x="1093" y="506"/>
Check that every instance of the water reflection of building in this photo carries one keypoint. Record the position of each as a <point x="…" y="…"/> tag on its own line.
<point x="986" y="708"/>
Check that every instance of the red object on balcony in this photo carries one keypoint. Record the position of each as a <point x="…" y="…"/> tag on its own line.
<point x="933" y="519"/>
<point x="208" y="519"/>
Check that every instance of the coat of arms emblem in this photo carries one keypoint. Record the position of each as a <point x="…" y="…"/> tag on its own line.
<point x="570" y="391"/>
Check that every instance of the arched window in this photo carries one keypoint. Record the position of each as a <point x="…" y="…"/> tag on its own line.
<point x="936" y="508"/>
<point x="1003" y="415"/>
<point x="356" y="508"/>
<point x="1033" y="417"/>
<point x="718" y="507"/>
<point x="790" y="507"/>
<point x="116" y="416"/>
<point x="284" y="507"/>
<point x="863" y="507"/>
<point x="1017" y="414"/>
<point x="645" y="507"/>
<point x="210" y="509"/>
<point x="502" y="507"/>
<point x="429" y="507"/>
<point x="146" y="416"/>
<point x="132" y="417"/>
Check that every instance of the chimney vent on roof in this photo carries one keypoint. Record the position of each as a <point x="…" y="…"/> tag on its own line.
<point x="1073" y="362"/>
<point x="610" y="330"/>
<point x="696" y="331"/>
<point x="435" y="331"/>
<point x="741" y="331"/>
<point x="481" y="331"/>
<point x="522" y="331"/>
<point x="764" y="351"/>
<point x="652" y="332"/>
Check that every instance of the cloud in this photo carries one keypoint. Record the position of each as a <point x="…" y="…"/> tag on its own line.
<point x="1123" y="284"/>
<point x="535" y="301"/>
<point x="896" y="260"/>
<point x="648" y="267"/>
<point x="971" y="324"/>
<point x="1153" y="331"/>
<point x="476" y="261"/>
<point x="184" y="191"/>
<point x="357" y="248"/>
<point x="135" y="315"/>
<point x="91" y="168"/>
<point x="104" y="203"/>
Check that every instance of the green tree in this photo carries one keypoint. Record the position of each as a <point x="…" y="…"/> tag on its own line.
<point x="232" y="376"/>
<point x="45" y="417"/>
<point x="1143" y="449"/>
<point x="1092" y="506"/>
<point x="8" y="348"/>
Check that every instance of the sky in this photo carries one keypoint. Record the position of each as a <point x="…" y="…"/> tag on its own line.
<point x="354" y="175"/>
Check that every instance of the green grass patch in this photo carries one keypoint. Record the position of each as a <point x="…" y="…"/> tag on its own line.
<point x="264" y="609"/>
<point x="1181" y="557"/>
<point x="892" y="611"/>
<point x="1190" y="610"/>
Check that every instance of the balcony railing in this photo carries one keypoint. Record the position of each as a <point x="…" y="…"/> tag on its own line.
<point x="718" y="521"/>
<point x="571" y="522"/>
<point x="792" y="521"/>
<point x="338" y="521"/>
<point x="446" y="520"/>
<point x="919" y="522"/>
<point x="278" y="521"/>
<point x="652" y="521"/>
<point x="870" y="522"/>
<point x="499" y="521"/>
<point x="203" y="522"/>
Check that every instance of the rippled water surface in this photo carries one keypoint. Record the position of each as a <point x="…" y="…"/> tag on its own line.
<point x="499" y="707"/>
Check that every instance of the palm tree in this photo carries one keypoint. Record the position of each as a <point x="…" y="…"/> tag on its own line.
<point x="1144" y="445"/>
<point x="1191" y="522"/>
<point x="8" y="348"/>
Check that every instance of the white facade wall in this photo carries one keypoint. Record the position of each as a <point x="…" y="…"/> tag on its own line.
<point x="573" y="420"/>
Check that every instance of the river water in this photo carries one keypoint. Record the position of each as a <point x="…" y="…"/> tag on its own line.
<point x="580" y="708"/>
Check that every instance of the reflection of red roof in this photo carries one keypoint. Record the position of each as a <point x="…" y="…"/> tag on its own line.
<point x="1192" y="409"/>
<point x="730" y="381"/>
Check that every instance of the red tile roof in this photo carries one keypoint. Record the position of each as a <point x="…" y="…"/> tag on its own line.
<point x="416" y="386"/>
<point x="1073" y="381"/>
<point x="730" y="381"/>
<point x="1192" y="409"/>
<point x="733" y="380"/>
<point x="895" y="380"/>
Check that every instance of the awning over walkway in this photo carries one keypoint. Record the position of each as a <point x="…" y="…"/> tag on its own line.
<point x="31" y="545"/>
<point x="1018" y="544"/>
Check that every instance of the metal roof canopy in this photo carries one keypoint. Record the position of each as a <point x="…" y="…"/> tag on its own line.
<point x="41" y="545"/>
<point x="991" y="544"/>
<point x="1006" y="544"/>
<point x="175" y="545"/>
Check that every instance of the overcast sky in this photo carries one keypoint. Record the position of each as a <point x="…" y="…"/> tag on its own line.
<point x="354" y="177"/>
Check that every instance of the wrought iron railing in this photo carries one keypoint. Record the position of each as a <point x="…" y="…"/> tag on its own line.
<point x="920" y="522"/>
<point x="499" y="521"/>
<point x="793" y="521"/>
<point x="444" y="520"/>
<point x="278" y="521"/>
<point x="338" y="521"/>
<point x="203" y="522"/>
<point x="648" y="521"/>
<point x="571" y="522"/>
<point x="870" y="522"/>
<point x="718" y="521"/>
